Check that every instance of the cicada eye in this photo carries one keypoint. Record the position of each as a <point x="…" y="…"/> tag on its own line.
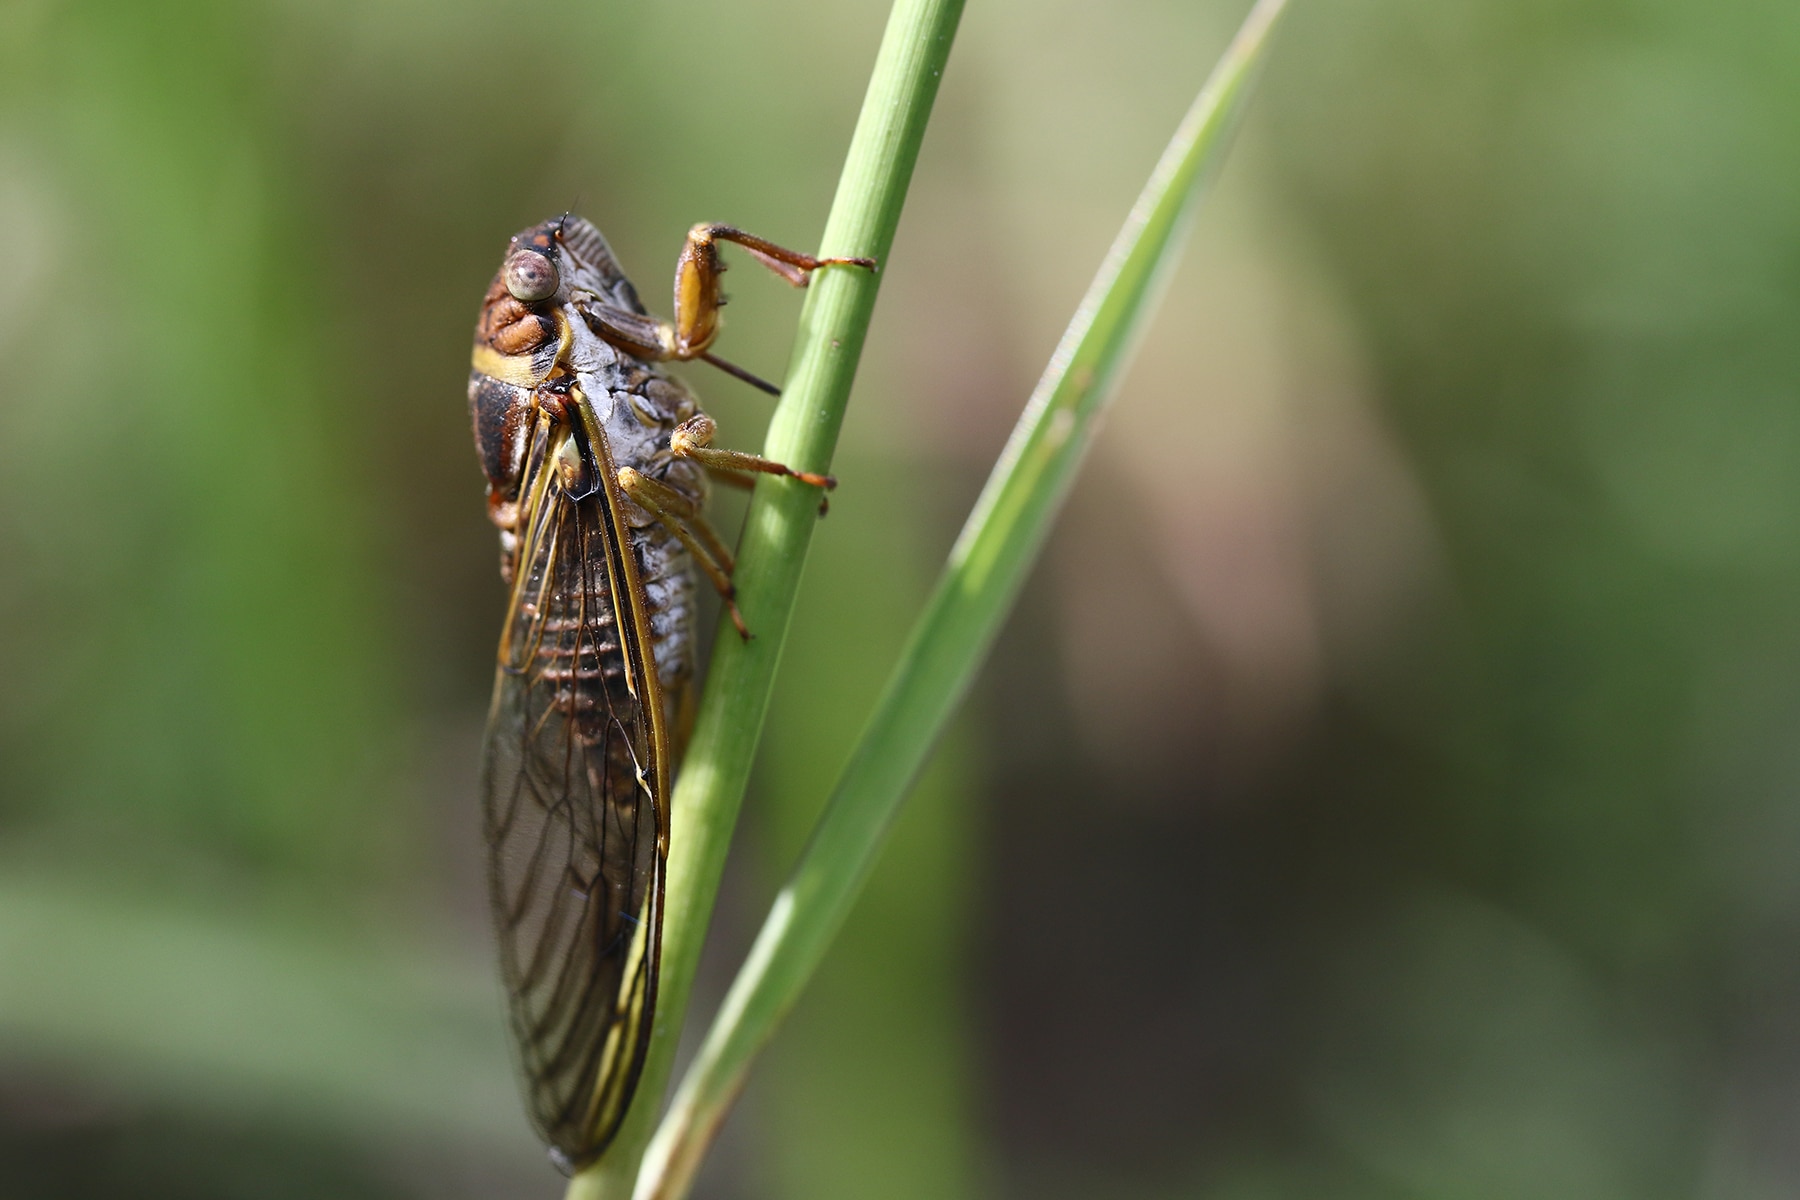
<point x="531" y="276"/>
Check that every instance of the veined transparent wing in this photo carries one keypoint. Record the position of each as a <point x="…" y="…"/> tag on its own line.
<point x="575" y="780"/>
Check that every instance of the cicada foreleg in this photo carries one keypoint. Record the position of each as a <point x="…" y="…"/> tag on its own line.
<point x="697" y="294"/>
<point x="698" y="299"/>
<point x="682" y="517"/>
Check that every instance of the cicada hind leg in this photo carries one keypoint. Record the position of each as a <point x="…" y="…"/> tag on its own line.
<point x="678" y="512"/>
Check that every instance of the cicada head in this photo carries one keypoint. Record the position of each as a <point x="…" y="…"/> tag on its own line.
<point x="551" y="262"/>
<point x="525" y="336"/>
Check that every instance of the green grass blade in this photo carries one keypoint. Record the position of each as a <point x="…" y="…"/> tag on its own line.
<point x="985" y="570"/>
<point x="777" y="532"/>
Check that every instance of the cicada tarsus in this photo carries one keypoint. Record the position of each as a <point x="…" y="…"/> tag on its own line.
<point x="597" y="465"/>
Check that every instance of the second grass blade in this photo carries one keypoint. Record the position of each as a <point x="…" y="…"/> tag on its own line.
<point x="986" y="568"/>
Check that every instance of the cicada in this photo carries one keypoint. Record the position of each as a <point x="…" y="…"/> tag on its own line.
<point x="597" y="465"/>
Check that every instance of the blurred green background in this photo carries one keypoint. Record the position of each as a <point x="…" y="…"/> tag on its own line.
<point x="1387" y="787"/>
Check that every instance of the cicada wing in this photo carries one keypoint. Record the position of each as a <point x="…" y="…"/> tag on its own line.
<point x="573" y="781"/>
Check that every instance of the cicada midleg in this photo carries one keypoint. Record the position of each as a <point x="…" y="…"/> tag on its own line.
<point x="596" y="464"/>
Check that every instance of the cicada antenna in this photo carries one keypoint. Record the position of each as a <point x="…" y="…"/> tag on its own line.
<point x="567" y="213"/>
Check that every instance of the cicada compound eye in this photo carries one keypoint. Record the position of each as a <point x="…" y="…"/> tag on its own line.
<point x="531" y="276"/>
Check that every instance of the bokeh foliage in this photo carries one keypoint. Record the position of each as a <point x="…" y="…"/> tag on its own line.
<point x="1387" y="788"/>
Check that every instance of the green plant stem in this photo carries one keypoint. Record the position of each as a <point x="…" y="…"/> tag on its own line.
<point x="777" y="532"/>
<point x="986" y="568"/>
